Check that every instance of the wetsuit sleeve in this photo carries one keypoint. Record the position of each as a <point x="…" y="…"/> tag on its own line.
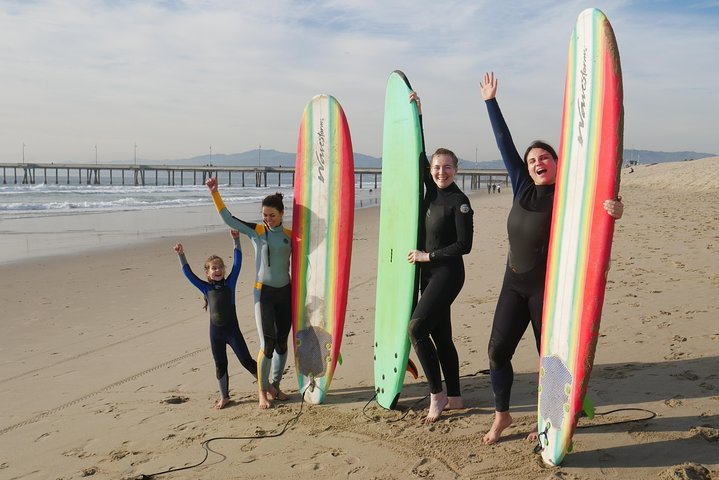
<point x="463" y="222"/>
<point x="232" y="222"/>
<point x="512" y="161"/>
<point x="201" y="285"/>
<point x="424" y="164"/>
<point x="236" y="266"/>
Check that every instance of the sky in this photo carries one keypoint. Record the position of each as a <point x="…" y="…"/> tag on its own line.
<point x="112" y="80"/>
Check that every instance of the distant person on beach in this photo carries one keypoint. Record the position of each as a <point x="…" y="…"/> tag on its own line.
<point x="522" y="296"/>
<point x="446" y="235"/>
<point x="219" y="293"/>
<point x="272" y="291"/>
<point x="499" y="189"/>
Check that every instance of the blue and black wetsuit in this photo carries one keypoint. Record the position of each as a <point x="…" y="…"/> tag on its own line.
<point x="446" y="236"/>
<point x="272" y="291"/>
<point x="522" y="296"/>
<point x="224" y="327"/>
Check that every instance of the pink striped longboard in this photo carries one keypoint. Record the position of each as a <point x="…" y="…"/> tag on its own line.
<point x="590" y="158"/>
<point x="322" y="225"/>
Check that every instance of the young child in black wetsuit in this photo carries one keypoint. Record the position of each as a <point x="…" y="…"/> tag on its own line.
<point x="219" y="295"/>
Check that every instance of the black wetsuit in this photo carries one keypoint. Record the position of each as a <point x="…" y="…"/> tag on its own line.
<point x="224" y="327"/>
<point x="447" y="235"/>
<point x="522" y="296"/>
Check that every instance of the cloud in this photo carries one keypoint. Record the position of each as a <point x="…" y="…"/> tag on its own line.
<point x="178" y="76"/>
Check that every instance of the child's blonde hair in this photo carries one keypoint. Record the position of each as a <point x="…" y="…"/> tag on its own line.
<point x="210" y="260"/>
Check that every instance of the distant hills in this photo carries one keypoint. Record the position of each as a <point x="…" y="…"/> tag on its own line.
<point x="274" y="158"/>
<point x="648" y="156"/>
<point x="266" y="158"/>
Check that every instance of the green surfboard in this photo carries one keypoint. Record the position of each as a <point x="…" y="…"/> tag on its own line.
<point x="397" y="279"/>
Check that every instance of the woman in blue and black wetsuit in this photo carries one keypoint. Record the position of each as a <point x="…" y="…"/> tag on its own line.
<point x="219" y="295"/>
<point x="272" y="291"/>
<point x="447" y="235"/>
<point x="528" y="224"/>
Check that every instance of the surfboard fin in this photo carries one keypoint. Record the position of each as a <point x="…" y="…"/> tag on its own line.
<point x="412" y="368"/>
<point x="588" y="407"/>
<point x="339" y="358"/>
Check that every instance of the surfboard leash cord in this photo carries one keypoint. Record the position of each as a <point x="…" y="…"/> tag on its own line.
<point x="631" y="420"/>
<point x="538" y="448"/>
<point x="206" y="444"/>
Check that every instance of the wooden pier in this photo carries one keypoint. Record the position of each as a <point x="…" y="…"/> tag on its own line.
<point x="171" y="175"/>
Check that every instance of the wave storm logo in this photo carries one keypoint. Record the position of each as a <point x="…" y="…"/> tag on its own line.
<point x="582" y="101"/>
<point x="320" y="153"/>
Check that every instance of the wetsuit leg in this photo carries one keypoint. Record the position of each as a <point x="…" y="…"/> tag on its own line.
<point x="536" y="307"/>
<point x="218" y="346"/>
<point x="440" y="287"/>
<point x="269" y="322"/>
<point x="275" y="306"/>
<point x="447" y="353"/>
<point x="283" y="318"/>
<point x="237" y="342"/>
<point x="511" y="318"/>
<point x="264" y="361"/>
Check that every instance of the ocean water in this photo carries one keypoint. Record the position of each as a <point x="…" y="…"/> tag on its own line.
<point x="23" y="201"/>
<point x="49" y="219"/>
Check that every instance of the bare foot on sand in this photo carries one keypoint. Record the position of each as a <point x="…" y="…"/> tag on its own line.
<point x="454" y="403"/>
<point x="276" y="393"/>
<point x="501" y="421"/>
<point x="222" y="403"/>
<point x="264" y="401"/>
<point x="436" y="404"/>
<point x="534" y="435"/>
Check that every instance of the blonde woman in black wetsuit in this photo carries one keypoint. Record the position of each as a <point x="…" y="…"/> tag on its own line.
<point x="522" y="297"/>
<point x="447" y="235"/>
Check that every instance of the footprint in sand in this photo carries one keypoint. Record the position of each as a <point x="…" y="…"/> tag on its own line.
<point x="422" y="469"/>
<point x="118" y="455"/>
<point x="674" y="402"/>
<point x="175" y="400"/>
<point x="686" y="375"/>
<point x="605" y="465"/>
<point x="77" y="453"/>
<point x="707" y="433"/>
<point x="690" y="470"/>
<point x="307" y="467"/>
<point x="88" y="472"/>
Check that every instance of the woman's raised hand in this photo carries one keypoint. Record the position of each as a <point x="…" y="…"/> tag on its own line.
<point x="489" y="86"/>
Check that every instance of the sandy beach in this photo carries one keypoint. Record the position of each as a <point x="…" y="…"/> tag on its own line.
<point x="106" y="370"/>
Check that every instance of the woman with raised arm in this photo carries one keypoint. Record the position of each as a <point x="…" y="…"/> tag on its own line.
<point x="522" y="296"/>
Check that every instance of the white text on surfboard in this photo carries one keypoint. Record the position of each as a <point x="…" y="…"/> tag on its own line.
<point x="320" y="153"/>
<point x="581" y="103"/>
